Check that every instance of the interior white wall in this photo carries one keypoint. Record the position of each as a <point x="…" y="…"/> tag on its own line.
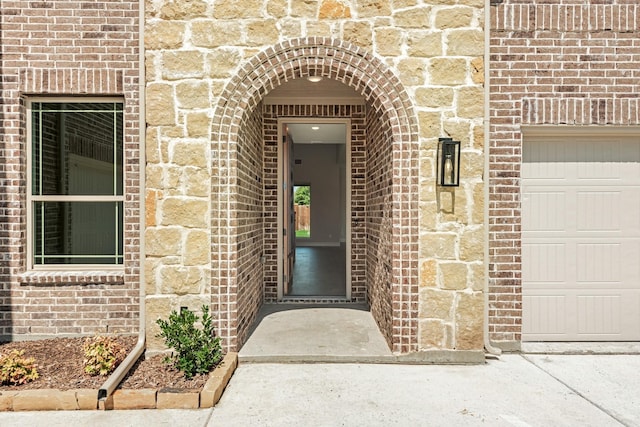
<point x="319" y="167"/>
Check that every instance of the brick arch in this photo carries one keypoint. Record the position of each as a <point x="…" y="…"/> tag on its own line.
<point x="383" y="91"/>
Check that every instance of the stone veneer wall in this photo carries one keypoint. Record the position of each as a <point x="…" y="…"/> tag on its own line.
<point x="564" y="63"/>
<point x="418" y="64"/>
<point x="65" y="48"/>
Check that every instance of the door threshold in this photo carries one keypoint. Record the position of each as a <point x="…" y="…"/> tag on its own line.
<point x="303" y="299"/>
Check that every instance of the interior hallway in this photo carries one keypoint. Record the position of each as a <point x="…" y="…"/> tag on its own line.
<point x="319" y="271"/>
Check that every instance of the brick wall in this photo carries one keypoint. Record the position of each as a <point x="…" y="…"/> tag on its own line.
<point x="378" y="224"/>
<point x="65" y="48"/>
<point x="565" y="63"/>
<point x="358" y="153"/>
<point x="249" y="209"/>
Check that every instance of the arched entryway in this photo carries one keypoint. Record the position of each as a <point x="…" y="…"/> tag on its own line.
<point x="242" y="179"/>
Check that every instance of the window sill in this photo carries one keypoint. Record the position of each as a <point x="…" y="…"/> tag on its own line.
<point x="115" y="277"/>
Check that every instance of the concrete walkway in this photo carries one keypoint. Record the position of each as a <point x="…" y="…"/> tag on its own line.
<point x="315" y="333"/>
<point x="540" y="390"/>
<point x="513" y="390"/>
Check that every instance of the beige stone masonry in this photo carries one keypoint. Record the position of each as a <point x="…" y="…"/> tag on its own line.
<point x="134" y="399"/>
<point x="177" y="399"/>
<point x="196" y="49"/>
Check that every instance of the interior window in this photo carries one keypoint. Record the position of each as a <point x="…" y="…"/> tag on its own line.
<point x="76" y="182"/>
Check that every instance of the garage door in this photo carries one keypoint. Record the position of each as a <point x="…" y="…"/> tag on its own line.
<point x="581" y="239"/>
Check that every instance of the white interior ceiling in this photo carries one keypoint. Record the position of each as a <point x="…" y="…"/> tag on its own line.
<point x="327" y="133"/>
<point x="304" y="92"/>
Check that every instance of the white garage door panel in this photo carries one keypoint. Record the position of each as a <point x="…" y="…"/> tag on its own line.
<point x="581" y="240"/>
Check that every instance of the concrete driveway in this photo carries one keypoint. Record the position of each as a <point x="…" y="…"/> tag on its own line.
<point x="515" y="390"/>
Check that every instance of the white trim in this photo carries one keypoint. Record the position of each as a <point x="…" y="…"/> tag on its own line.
<point x="312" y="101"/>
<point x="55" y="268"/>
<point x="348" y="179"/>
<point x="569" y="130"/>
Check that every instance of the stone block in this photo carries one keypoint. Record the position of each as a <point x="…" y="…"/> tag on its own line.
<point x="438" y="245"/>
<point x="6" y="400"/>
<point x="318" y="29"/>
<point x="192" y="213"/>
<point x="196" y="181"/>
<point x="465" y="42"/>
<point x="471" y="102"/>
<point x="454" y="17"/>
<point x="428" y="274"/>
<point x="179" y="280"/>
<point x="434" y="97"/>
<point x="198" y="125"/>
<point x="87" y="399"/>
<point x="477" y="276"/>
<point x="425" y="44"/>
<point x="416" y="17"/>
<point x="358" y="33"/>
<point x="218" y="380"/>
<point x="163" y="241"/>
<point x="215" y="34"/>
<point x="193" y="94"/>
<point x="134" y="399"/>
<point x="469" y="318"/>
<point x="169" y="398"/>
<point x="277" y="8"/>
<point x="262" y="32"/>
<point x="334" y="9"/>
<point x="430" y="123"/>
<point x="459" y="130"/>
<point x="472" y="244"/>
<point x="237" y="9"/>
<point x="182" y="64"/>
<point x="304" y="8"/>
<point x="156" y="308"/>
<point x="164" y="35"/>
<point x="45" y="400"/>
<point x="151" y="199"/>
<point x="471" y="164"/>
<point x="434" y="334"/>
<point x="477" y="70"/>
<point x="412" y="71"/>
<point x="160" y="108"/>
<point x="436" y="304"/>
<point x="454" y="275"/>
<point x="106" y="404"/>
<point x="197" y="249"/>
<point x="388" y="41"/>
<point x="477" y="211"/>
<point x="223" y="62"/>
<point x="190" y="154"/>
<point x="447" y="71"/>
<point x="373" y="8"/>
<point x="183" y="10"/>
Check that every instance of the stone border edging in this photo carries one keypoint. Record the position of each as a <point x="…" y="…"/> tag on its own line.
<point x="87" y="399"/>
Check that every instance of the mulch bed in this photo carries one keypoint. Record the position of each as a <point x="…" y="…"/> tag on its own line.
<point x="61" y="366"/>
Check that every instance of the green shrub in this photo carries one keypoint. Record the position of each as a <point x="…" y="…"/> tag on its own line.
<point x="16" y="370"/>
<point x="102" y="354"/>
<point x="198" y="350"/>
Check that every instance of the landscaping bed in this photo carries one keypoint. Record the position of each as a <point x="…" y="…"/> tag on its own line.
<point x="60" y="365"/>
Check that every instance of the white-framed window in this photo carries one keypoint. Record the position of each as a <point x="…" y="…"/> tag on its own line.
<point x="75" y="183"/>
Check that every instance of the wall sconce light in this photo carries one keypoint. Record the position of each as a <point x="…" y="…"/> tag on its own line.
<point x="448" y="162"/>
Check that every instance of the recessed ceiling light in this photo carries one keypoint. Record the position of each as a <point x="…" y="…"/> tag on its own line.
<point x="315" y="127"/>
<point x="314" y="79"/>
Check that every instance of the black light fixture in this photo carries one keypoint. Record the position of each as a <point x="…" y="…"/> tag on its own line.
<point x="448" y="162"/>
